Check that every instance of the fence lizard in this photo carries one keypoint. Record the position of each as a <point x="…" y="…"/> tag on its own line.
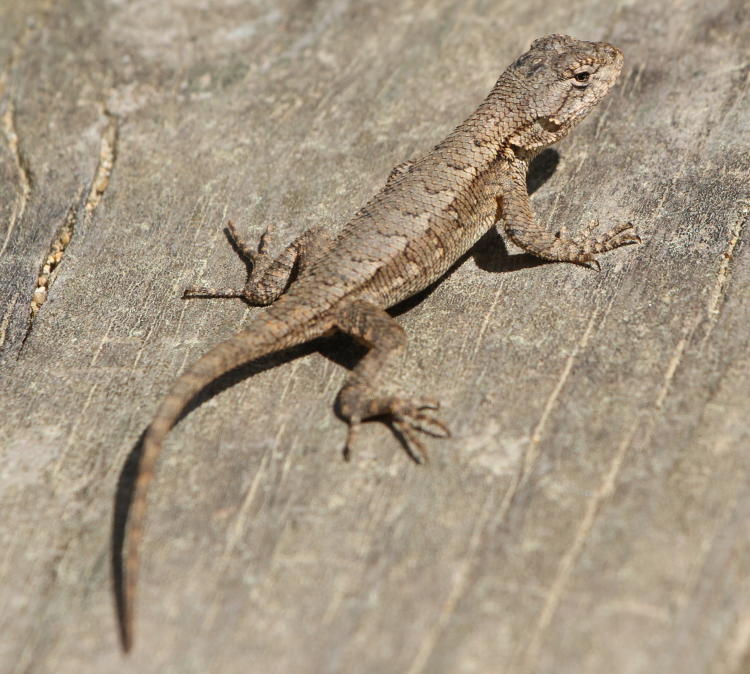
<point x="430" y="212"/>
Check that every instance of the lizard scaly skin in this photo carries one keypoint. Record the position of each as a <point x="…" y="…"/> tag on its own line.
<point x="430" y="212"/>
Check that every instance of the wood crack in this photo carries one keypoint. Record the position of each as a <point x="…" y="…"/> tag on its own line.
<point x="107" y="156"/>
<point x="48" y="269"/>
<point x="64" y="234"/>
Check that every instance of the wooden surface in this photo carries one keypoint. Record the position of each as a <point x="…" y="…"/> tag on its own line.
<point x="591" y="512"/>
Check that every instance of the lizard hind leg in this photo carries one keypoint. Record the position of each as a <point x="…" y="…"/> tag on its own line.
<point x="269" y="277"/>
<point x="363" y="395"/>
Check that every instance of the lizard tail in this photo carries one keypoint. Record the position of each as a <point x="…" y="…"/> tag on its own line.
<point x="271" y="336"/>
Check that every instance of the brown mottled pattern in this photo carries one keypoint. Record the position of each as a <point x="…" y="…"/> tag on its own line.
<point x="429" y="213"/>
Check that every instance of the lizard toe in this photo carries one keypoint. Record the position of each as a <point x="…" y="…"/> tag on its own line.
<point x="351" y="435"/>
<point x="414" y="446"/>
<point x="426" y="423"/>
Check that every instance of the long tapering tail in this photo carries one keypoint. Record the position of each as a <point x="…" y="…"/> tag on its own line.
<point x="266" y="336"/>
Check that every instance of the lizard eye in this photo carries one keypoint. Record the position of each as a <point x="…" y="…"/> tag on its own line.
<point x="581" y="79"/>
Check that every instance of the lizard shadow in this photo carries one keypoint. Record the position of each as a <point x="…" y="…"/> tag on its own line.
<point x="490" y="254"/>
<point x="541" y="169"/>
<point x="124" y="493"/>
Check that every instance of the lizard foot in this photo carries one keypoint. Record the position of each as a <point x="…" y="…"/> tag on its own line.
<point x="264" y="284"/>
<point x="586" y="245"/>
<point x="407" y="417"/>
<point x="623" y="234"/>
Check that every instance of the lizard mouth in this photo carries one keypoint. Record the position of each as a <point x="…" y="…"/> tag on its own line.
<point x="556" y="124"/>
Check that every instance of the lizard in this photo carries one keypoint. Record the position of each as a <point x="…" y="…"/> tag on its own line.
<point x="430" y="212"/>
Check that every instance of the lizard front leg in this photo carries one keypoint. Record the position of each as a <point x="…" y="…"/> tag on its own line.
<point x="268" y="277"/>
<point x="519" y="223"/>
<point x="363" y="396"/>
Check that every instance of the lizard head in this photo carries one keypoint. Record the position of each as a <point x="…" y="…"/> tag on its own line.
<point x="558" y="81"/>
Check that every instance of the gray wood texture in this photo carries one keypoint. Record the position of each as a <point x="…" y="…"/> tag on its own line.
<point x="591" y="512"/>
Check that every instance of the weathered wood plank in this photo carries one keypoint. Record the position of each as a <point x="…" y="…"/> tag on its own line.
<point x="591" y="511"/>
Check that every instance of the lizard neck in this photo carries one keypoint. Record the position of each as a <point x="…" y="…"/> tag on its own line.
<point x="506" y="124"/>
